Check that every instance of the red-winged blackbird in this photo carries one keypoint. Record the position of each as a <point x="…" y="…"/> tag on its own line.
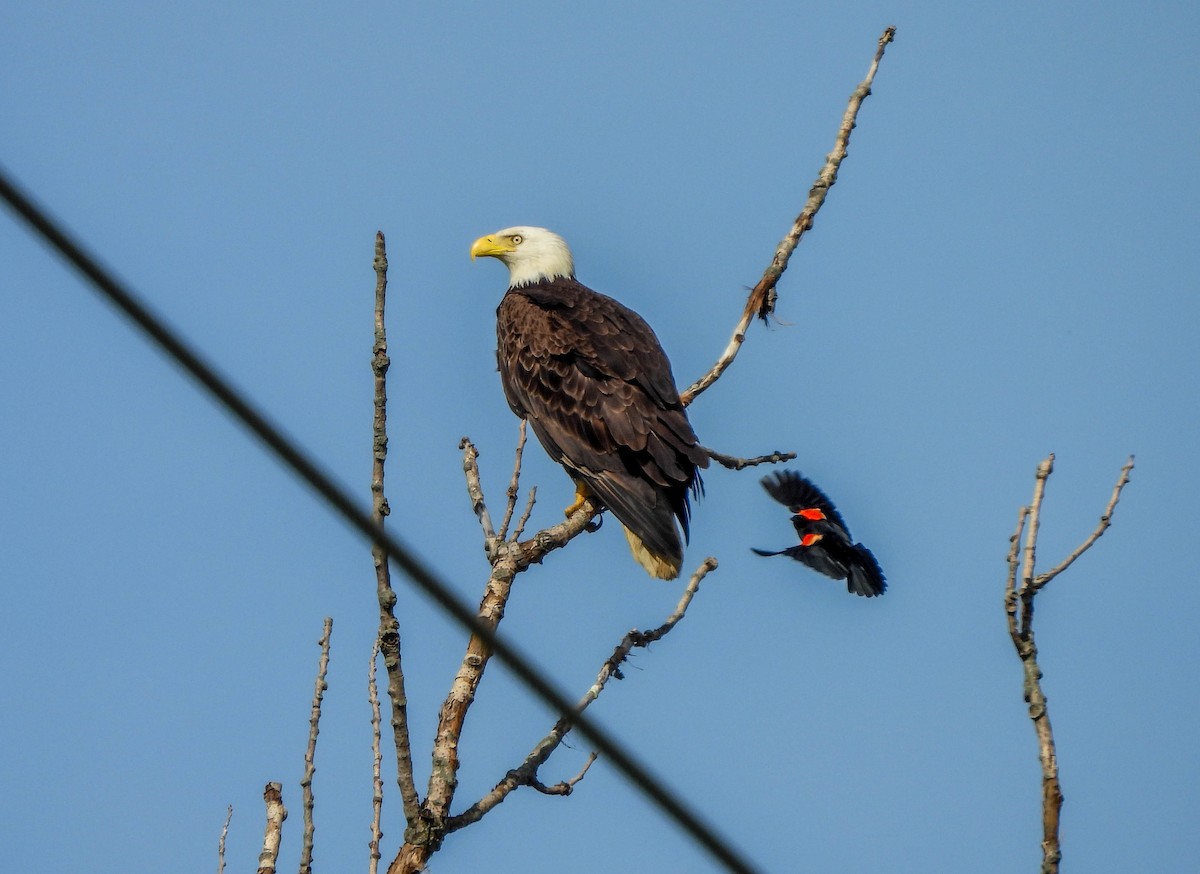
<point x="825" y="542"/>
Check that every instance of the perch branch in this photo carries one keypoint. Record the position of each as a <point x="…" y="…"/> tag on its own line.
<point x="1021" y="632"/>
<point x="314" y="728"/>
<point x="761" y="301"/>
<point x="276" y="814"/>
<point x="389" y="628"/>
<point x="526" y="773"/>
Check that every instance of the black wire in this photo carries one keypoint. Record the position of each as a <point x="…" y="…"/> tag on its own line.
<point x="339" y="499"/>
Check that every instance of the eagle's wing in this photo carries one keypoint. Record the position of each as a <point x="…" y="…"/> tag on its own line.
<point x="594" y="383"/>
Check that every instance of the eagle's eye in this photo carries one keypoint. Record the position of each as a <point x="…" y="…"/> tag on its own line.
<point x="516" y="239"/>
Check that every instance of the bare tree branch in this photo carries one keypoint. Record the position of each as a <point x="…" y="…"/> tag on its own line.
<point x="732" y="462"/>
<point x="389" y="628"/>
<point x="564" y="787"/>
<point x="221" y="842"/>
<point x="475" y="491"/>
<point x="376" y="763"/>
<point x="514" y="483"/>
<point x="1021" y="631"/>
<point x="524" y="520"/>
<point x="273" y="836"/>
<point x="526" y="773"/>
<point x="761" y="301"/>
<point x="314" y="723"/>
<point x="1101" y="527"/>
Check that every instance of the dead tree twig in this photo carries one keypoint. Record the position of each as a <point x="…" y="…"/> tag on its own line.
<point x="310" y="754"/>
<point x="731" y="462"/>
<point x="761" y="301"/>
<point x="526" y="774"/>
<point x="1018" y="608"/>
<point x="376" y="763"/>
<point x="389" y="628"/>
<point x="221" y="842"/>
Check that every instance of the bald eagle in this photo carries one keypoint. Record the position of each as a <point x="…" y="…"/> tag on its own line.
<point x="593" y="382"/>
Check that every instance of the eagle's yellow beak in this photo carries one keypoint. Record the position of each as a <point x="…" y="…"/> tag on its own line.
<point x="491" y="246"/>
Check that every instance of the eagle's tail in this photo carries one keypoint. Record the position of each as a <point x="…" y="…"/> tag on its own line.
<point x="659" y="566"/>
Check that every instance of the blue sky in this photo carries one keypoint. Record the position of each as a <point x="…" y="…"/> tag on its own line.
<point x="1006" y="267"/>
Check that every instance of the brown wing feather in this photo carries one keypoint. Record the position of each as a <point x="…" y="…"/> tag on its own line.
<point x="592" y="379"/>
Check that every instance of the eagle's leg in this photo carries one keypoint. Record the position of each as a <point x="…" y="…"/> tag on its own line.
<point x="581" y="495"/>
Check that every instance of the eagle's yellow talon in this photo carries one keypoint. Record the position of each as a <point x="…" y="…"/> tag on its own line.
<point x="581" y="497"/>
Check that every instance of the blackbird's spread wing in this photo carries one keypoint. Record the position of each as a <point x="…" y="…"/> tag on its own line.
<point x="797" y="493"/>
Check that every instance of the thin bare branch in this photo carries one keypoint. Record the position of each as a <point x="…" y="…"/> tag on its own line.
<point x="514" y="484"/>
<point x="389" y="628"/>
<point x="1101" y="527"/>
<point x="761" y="301"/>
<point x="1021" y="632"/>
<point x="566" y="786"/>
<point x="1010" y="585"/>
<point x="1031" y="535"/>
<point x="221" y="842"/>
<point x="475" y="491"/>
<point x="732" y="462"/>
<point x="273" y="836"/>
<point x="314" y="728"/>
<point x="376" y="762"/>
<point x="524" y="520"/>
<point x="526" y="773"/>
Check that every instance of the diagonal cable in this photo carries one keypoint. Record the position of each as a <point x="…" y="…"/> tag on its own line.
<point x="338" y="498"/>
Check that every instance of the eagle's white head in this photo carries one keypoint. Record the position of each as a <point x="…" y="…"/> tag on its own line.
<point x="531" y="254"/>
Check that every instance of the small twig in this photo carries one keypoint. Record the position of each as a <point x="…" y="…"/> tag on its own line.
<point x="475" y="491"/>
<point x="376" y="762"/>
<point x="1010" y="585"/>
<point x="389" y="628"/>
<point x="273" y="836"/>
<point x="761" y="301"/>
<point x="1033" y="523"/>
<point x="1021" y="632"/>
<point x="514" y="484"/>
<point x="646" y="638"/>
<point x="221" y="842"/>
<point x="732" y="462"/>
<point x="526" y="773"/>
<point x="314" y="723"/>
<point x="563" y="787"/>
<point x="520" y="529"/>
<point x="1101" y="527"/>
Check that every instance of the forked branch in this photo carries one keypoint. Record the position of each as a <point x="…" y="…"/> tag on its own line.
<point x="1021" y="586"/>
<point x="527" y="773"/>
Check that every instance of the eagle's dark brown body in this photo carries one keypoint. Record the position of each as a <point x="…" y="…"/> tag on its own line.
<point x="595" y="385"/>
